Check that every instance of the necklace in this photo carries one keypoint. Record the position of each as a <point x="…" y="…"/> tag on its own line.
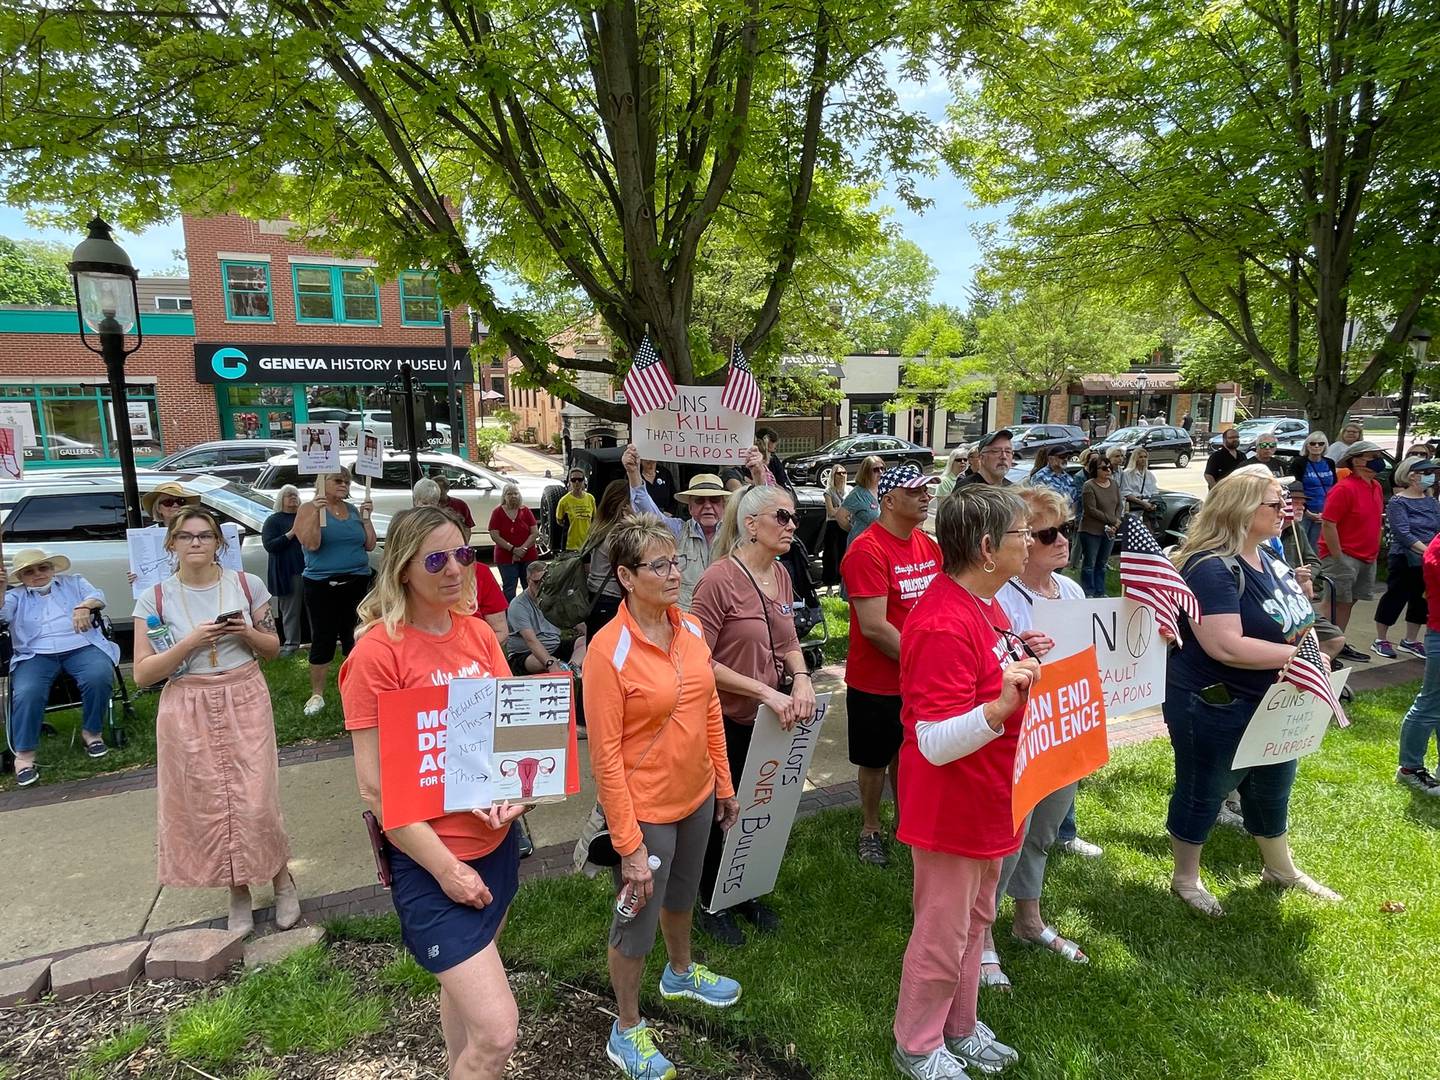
<point x="219" y="601"/>
<point x="1052" y="594"/>
<point x="766" y="581"/>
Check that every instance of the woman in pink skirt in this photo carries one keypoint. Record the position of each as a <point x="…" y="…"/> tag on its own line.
<point x="218" y="776"/>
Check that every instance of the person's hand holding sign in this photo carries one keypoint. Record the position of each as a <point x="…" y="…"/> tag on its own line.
<point x="1015" y="683"/>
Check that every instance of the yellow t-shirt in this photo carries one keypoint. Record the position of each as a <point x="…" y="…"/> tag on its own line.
<point x="579" y="511"/>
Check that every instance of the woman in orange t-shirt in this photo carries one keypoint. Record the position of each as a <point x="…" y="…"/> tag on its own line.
<point x="452" y="878"/>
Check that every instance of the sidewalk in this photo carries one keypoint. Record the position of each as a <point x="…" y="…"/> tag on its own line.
<point x="80" y="866"/>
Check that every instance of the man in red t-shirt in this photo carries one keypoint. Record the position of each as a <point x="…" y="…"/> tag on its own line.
<point x="1350" y="534"/>
<point x="886" y="569"/>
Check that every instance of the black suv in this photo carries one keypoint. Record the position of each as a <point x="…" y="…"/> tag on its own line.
<point x="1029" y="439"/>
<point x="1164" y="442"/>
<point x="851" y="450"/>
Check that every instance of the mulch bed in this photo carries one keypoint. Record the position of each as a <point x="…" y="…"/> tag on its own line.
<point x="563" y="1037"/>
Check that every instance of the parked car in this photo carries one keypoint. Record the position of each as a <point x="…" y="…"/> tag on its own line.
<point x="1028" y="439"/>
<point x="382" y="422"/>
<point x="392" y="492"/>
<point x="850" y="450"/>
<point x="1165" y="443"/>
<point x="83" y="518"/>
<point x="346" y="419"/>
<point x="231" y="459"/>
<point x="1290" y="430"/>
<point x="1180" y="506"/>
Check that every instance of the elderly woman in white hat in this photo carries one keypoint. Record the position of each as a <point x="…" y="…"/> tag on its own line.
<point x="706" y="497"/>
<point x="51" y="617"/>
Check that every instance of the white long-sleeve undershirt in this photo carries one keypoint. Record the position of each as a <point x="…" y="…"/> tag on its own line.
<point x="944" y="741"/>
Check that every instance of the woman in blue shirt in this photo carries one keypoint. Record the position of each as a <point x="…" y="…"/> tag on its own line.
<point x="337" y="537"/>
<point x="1254" y="611"/>
<point x="1317" y="472"/>
<point x="52" y="629"/>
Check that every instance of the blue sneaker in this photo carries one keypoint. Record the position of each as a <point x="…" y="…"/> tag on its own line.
<point x="701" y="984"/>
<point x="635" y="1054"/>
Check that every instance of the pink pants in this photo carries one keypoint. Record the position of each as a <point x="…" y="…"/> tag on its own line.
<point x="940" y="981"/>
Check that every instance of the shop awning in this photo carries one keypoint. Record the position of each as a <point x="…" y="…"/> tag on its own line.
<point x="1156" y="382"/>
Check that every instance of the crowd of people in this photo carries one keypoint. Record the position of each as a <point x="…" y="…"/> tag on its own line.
<point x="687" y="629"/>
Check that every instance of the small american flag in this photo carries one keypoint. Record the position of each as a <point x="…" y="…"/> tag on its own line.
<point x="742" y="392"/>
<point x="1149" y="578"/>
<point x="1287" y="507"/>
<point x="648" y="385"/>
<point x="1308" y="670"/>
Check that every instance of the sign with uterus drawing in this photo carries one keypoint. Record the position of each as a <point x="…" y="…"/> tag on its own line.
<point x="510" y="740"/>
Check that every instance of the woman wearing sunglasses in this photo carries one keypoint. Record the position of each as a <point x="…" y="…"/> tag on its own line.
<point x="745" y="604"/>
<point x="1029" y="600"/>
<point x="453" y="877"/>
<point x="1254" y="611"/>
<point x="657" y="748"/>
<point x="1316" y="471"/>
<point x="964" y="680"/>
<point x="1101" y="508"/>
<point x="217" y="783"/>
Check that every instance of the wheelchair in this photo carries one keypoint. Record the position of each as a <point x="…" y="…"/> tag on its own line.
<point x="806" y="605"/>
<point x="65" y="695"/>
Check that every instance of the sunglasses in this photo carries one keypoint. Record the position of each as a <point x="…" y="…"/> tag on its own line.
<point x="1015" y="645"/>
<point x="436" y="560"/>
<point x="782" y="516"/>
<point x="1105" y="467"/>
<point x="1266" y="445"/>
<point x="1046" y="537"/>
<point x="171" y="502"/>
<point x="577" y="479"/>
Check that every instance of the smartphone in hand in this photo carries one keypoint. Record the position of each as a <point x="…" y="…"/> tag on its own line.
<point x="230" y="616"/>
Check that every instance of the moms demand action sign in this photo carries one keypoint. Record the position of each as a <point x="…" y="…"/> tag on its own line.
<point x="248" y="362"/>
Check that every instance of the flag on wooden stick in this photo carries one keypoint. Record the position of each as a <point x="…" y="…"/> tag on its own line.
<point x="1149" y="578"/>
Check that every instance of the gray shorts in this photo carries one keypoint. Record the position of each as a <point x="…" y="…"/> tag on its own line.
<point x="1352" y="579"/>
<point x="1326" y="630"/>
<point x="681" y="848"/>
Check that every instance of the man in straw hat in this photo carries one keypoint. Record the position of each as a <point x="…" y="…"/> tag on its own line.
<point x="51" y="630"/>
<point x="705" y="496"/>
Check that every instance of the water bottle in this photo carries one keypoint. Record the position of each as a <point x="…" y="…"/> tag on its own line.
<point x="162" y="638"/>
<point x="625" y="909"/>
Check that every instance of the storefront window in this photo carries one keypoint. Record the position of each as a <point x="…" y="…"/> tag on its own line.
<point x="70" y="423"/>
<point x="964" y="427"/>
<point x="1027" y="409"/>
<point x="1155" y="405"/>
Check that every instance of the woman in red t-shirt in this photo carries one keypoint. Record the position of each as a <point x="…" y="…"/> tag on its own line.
<point x="453" y="877"/>
<point x="513" y="528"/>
<point x="964" y="682"/>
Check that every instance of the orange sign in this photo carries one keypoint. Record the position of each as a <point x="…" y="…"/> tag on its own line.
<point x="413" y="730"/>
<point x="1063" y="736"/>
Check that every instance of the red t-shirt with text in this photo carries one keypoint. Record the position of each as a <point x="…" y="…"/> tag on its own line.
<point x="950" y="662"/>
<point x="1357" y="508"/>
<point x="879" y="563"/>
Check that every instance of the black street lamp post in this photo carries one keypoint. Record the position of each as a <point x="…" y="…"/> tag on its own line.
<point x="107" y="303"/>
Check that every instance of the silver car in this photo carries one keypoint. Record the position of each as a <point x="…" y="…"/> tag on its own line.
<point x="391" y="492"/>
<point x="83" y="518"/>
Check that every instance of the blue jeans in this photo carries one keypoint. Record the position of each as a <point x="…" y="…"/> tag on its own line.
<point x="1312" y="533"/>
<point x="1095" y="549"/>
<point x="512" y="577"/>
<point x="1205" y="738"/>
<point x="1067" y="825"/>
<point x="30" y="682"/>
<point x="1423" y="718"/>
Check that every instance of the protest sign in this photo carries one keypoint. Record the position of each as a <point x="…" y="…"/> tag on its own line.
<point x="368" y="459"/>
<point x="1287" y="724"/>
<point x="12" y="452"/>
<point x="318" y="448"/>
<point x="412" y="754"/>
<point x="1128" y="648"/>
<point x="469" y="743"/>
<point x="694" y="427"/>
<point x="769" y="795"/>
<point x="152" y="564"/>
<point x="514" y="742"/>
<point x="1062" y="738"/>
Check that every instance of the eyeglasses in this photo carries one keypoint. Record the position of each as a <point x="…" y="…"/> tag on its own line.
<point x="437" y="560"/>
<point x="1002" y="451"/>
<point x="782" y="516"/>
<point x="1050" y="535"/>
<point x="1276" y="506"/>
<point x="663" y="567"/>
<point x="171" y="502"/>
<point x="1015" y="645"/>
<point x="1266" y="445"/>
<point x="194" y="538"/>
<point x="1026" y="533"/>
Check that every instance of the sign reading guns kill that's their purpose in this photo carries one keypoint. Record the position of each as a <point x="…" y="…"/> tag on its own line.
<point x="769" y="795"/>
<point x="1287" y="724"/>
<point x="694" y="427"/>
<point x="1128" y="648"/>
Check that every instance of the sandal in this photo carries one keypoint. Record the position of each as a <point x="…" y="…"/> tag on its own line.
<point x="1302" y="881"/>
<point x="1050" y="939"/>
<point x="997" y="979"/>
<point x="1199" y="898"/>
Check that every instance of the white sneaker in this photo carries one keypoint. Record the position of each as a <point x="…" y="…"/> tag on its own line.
<point x="313" y="704"/>
<point x="1083" y="848"/>
<point x="982" y="1051"/>
<point x="939" y="1064"/>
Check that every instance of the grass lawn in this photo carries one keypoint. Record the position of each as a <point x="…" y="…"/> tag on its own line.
<point x="1283" y="986"/>
<point x="289" y="687"/>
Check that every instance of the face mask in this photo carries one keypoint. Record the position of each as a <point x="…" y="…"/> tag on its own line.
<point x="1378" y="465"/>
<point x="1428" y="480"/>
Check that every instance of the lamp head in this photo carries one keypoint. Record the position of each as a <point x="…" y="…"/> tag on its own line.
<point x="104" y="280"/>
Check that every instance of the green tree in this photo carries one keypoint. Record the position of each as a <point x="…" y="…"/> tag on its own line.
<point x="1274" y="161"/>
<point x="944" y="373"/>
<point x="34" y="273"/>
<point x="603" y="144"/>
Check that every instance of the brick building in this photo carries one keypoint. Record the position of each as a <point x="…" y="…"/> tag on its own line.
<point x="265" y="332"/>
